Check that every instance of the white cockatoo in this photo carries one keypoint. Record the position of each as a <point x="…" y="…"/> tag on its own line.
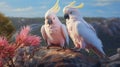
<point x="53" y="31"/>
<point x="82" y="34"/>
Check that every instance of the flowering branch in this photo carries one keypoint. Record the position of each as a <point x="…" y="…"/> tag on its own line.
<point x="23" y="39"/>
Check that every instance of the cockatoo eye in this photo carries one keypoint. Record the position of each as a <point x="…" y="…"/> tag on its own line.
<point x="53" y="18"/>
<point x="71" y="12"/>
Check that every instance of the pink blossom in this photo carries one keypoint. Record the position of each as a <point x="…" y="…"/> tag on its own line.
<point x="24" y="37"/>
<point x="21" y="37"/>
<point x="1" y="63"/>
<point x="33" y="40"/>
<point x="8" y="51"/>
<point x="3" y="42"/>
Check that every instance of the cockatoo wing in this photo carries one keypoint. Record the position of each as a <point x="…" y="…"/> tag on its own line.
<point x="87" y="24"/>
<point x="65" y="33"/>
<point x="91" y="27"/>
<point x="43" y="33"/>
<point x="88" y="35"/>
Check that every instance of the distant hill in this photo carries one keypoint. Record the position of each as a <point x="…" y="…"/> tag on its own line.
<point x="108" y="29"/>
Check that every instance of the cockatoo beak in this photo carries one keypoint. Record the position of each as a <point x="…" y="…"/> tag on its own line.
<point x="66" y="16"/>
<point x="49" y="21"/>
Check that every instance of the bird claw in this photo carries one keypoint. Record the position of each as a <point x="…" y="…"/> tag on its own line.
<point x="105" y="60"/>
<point x="87" y="50"/>
<point x="48" y="47"/>
<point x="63" y="48"/>
<point x="75" y="49"/>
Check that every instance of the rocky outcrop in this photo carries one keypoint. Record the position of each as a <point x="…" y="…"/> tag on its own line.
<point x="64" y="58"/>
<point x="115" y="60"/>
<point x="57" y="57"/>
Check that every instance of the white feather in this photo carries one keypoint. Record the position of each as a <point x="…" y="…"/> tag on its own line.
<point x="89" y="35"/>
<point x="88" y="25"/>
<point x="65" y="33"/>
<point x="43" y="32"/>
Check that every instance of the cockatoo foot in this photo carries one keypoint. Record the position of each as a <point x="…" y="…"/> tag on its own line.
<point x="76" y="49"/>
<point x="48" y="47"/>
<point x="104" y="60"/>
<point x="87" y="50"/>
<point x="63" y="48"/>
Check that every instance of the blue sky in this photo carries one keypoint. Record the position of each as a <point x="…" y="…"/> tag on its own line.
<point x="37" y="8"/>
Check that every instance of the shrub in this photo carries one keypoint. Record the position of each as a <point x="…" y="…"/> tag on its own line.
<point x="6" y="27"/>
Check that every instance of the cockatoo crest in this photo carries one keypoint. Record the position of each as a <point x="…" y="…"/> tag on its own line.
<point x="72" y="4"/>
<point x="72" y="8"/>
<point x="54" y="9"/>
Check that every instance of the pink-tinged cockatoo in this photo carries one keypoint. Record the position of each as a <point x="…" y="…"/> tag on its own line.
<point x="53" y="31"/>
<point x="82" y="34"/>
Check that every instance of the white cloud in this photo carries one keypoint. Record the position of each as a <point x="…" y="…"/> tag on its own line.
<point x="102" y="4"/>
<point x="9" y="10"/>
<point x="66" y="3"/>
<point x="104" y="0"/>
<point x="43" y="7"/>
<point x="3" y="4"/>
<point x="100" y="11"/>
<point x="22" y="9"/>
<point x="4" y="7"/>
<point x="108" y="0"/>
<point x="44" y="3"/>
<point x="116" y="12"/>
